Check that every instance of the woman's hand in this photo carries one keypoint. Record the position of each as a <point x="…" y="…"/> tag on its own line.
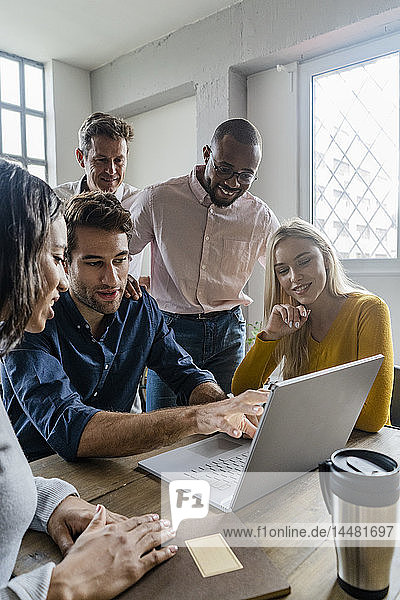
<point x="132" y="289"/>
<point x="107" y="559"/>
<point x="284" y="320"/>
<point x="145" y="282"/>
<point x="70" y="519"/>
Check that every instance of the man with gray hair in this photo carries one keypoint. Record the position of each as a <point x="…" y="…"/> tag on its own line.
<point x="103" y="154"/>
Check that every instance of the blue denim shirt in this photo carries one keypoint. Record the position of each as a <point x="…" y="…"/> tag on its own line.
<point x="55" y="381"/>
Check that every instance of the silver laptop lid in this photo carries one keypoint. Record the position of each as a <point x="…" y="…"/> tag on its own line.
<point x="306" y="419"/>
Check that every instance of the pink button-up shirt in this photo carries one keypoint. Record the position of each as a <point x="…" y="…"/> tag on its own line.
<point x="201" y="255"/>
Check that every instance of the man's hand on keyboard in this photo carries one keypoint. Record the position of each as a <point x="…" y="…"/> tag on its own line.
<point x="229" y="416"/>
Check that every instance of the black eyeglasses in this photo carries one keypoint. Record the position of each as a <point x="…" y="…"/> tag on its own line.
<point x="228" y="172"/>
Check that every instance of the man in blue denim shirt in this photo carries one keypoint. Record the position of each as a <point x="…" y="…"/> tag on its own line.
<point x="69" y="389"/>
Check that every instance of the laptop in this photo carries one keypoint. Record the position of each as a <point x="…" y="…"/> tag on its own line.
<point x="305" y="419"/>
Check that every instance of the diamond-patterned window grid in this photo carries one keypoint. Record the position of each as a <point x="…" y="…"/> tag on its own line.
<point x="356" y="157"/>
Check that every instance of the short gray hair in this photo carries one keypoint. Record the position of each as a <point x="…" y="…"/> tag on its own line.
<point x="100" y="123"/>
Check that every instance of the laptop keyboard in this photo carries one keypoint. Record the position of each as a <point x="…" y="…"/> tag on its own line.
<point x="221" y="473"/>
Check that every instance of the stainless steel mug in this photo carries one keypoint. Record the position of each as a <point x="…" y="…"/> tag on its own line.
<point x="361" y="492"/>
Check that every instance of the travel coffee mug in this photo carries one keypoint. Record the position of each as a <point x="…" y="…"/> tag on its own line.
<point x="361" y="492"/>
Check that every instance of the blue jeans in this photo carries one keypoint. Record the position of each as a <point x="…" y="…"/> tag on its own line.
<point x="216" y="343"/>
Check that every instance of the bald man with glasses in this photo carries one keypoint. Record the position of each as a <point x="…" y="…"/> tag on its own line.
<point x="206" y="231"/>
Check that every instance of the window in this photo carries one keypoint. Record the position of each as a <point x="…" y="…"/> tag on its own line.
<point x="22" y="113"/>
<point x="349" y="136"/>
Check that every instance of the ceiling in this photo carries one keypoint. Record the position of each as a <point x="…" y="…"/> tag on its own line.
<point x="90" y="33"/>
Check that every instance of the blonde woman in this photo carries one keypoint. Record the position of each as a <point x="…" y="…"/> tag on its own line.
<point x="315" y="318"/>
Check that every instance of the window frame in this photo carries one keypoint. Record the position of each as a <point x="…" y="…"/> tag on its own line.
<point x="23" y="112"/>
<point x="306" y="70"/>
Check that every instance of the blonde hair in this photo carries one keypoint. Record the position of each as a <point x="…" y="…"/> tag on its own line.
<point x="294" y="348"/>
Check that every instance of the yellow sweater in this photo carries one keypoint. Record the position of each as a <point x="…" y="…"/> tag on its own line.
<point x="361" y="329"/>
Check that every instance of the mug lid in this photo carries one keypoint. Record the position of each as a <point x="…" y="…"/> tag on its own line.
<point x="364" y="477"/>
<point x="363" y="462"/>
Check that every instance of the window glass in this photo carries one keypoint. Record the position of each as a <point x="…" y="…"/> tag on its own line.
<point x="38" y="171"/>
<point x="22" y="116"/>
<point x="34" y="137"/>
<point x="9" y="81"/>
<point x="34" y="87"/>
<point x="11" y="132"/>
<point x="355" y="157"/>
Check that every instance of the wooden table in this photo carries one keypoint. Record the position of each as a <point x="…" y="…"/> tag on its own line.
<point x="121" y="487"/>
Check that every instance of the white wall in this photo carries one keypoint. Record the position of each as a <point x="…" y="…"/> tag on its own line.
<point x="272" y="107"/>
<point x="68" y="103"/>
<point x="247" y="37"/>
<point x="164" y="143"/>
<point x="164" y="146"/>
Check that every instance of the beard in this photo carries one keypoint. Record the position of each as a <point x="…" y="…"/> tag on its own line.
<point x="222" y="202"/>
<point x="87" y="296"/>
